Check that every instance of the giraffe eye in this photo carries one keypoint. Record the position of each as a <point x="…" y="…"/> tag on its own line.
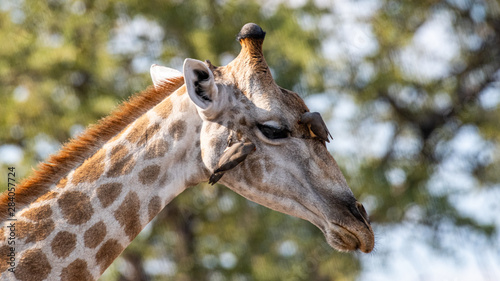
<point x="272" y="132"/>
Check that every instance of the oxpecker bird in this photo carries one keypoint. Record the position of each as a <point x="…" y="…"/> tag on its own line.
<point x="317" y="125"/>
<point x="231" y="157"/>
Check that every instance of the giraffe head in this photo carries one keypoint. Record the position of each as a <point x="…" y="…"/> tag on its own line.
<point x="261" y="141"/>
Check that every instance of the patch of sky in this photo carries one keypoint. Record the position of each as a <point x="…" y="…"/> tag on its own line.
<point x="473" y="204"/>
<point x="17" y="16"/>
<point x="350" y="30"/>
<point x="78" y="8"/>
<point x="319" y="102"/>
<point x="489" y="98"/>
<point x="209" y="261"/>
<point x="52" y="40"/>
<point x="396" y="176"/>
<point x="364" y="74"/>
<point x="356" y="39"/>
<point x="228" y="260"/>
<point x="45" y="145"/>
<point x="441" y="101"/>
<point x="160" y="267"/>
<point x="21" y="93"/>
<point x="460" y="4"/>
<point x="76" y="130"/>
<point x="407" y="145"/>
<point x="352" y="10"/>
<point x="11" y="154"/>
<point x="139" y="37"/>
<point x="402" y="253"/>
<point x="433" y="49"/>
<point x="375" y="137"/>
<point x="7" y="5"/>
<point x="226" y="58"/>
<point x="288" y="248"/>
<point x="66" y="97"/>
<point x="226" y="203"/>
<point x="370" y="202"/>
<point x="461" y="154"/>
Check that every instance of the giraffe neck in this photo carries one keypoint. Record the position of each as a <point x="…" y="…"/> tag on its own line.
<point x="89" y="217"/>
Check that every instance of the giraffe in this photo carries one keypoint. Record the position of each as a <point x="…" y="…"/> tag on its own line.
<point x="230" y="124"/>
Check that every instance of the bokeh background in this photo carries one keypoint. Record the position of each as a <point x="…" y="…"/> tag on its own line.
<point x="410" y="91"/>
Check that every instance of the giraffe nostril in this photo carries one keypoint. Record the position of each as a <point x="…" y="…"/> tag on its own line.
<point x="362" y="211"/>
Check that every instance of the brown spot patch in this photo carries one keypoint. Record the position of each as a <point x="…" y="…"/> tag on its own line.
<point x="149" y="174"/>
<point x="91" y="169"/>
<point x="164" y="109"/>
<point x="94" y="235"/>
<point x="122" y="168"/>
<point x="118" y="153"/>
<point x="76" y="271"/>
<point x="108" y="253"/>
<point x="47" y="196"/>
<point x="39" y="213"/>
<point x="4" y="251"/>
<point x="255" y="175"/>
<point x="2" y="235"/>
<point x="243" y="121"/>
<point x="63" y="244"/>
<point x="75" y="207"/>
<point x="177" y="129"/>
<point x="108" y="192"/>
<point x="154" y="207"/>
<point x="62" y="183"/>
<point x="184" y="105"/>
<point x="149" y="134"/>
<point x="269" y="166"/>
<point x="122" y="162"/>
<point x="156" y="149"/>
<point x="34" y="232"/>
<point x="217" y="145"/>
<point x="128" y="215"/>
<point x="34" y="265"/>
<point x="23" y="229"/>
<point x="138" y="129"/>
<point x="213" y="142"/>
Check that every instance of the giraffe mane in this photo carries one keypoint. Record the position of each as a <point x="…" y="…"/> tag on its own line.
<point x="76" y="150"/>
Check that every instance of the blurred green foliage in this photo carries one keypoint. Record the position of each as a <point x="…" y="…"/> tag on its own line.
<point x="64" y="64"/>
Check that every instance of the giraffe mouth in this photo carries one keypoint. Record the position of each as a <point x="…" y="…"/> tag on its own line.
<point x="352" y="233"/>
<point x="346" y="240"/>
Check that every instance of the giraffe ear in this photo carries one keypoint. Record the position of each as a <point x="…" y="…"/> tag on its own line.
<point x="201" y="86"/>
<point x="160" y="74"/>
